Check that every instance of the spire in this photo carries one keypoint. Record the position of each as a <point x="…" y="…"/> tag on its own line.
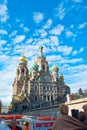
<point x="41" y="50"/>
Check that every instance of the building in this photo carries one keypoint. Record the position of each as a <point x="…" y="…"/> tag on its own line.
<point x="36" y="87"/>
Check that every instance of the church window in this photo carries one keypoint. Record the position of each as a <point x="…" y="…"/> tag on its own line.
<point x="48" y="97"/>
<point x="35" y="87"/>
<point x="51" y="97"/>
<point x="35" y="98"/>
<point x="51" y="88"/>
<point x="22" y="71"/>
<point x="44" y="98"/>
<point x="44" y="88"/>
<point x="47" y="87"/>
<point x="43" y="67"/>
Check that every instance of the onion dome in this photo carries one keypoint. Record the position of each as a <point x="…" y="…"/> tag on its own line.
<point x="30" y="72"/>
<point x="41" y="47"/>
<point x="55" y="68"/>
<point x="34" y="66"/>
<point x="23" y="58"/>
<point x="62" y="76"/>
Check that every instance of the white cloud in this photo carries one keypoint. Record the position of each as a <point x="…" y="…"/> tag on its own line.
<point x="75" y="74"/>
<point x="29" y="41"/>
<point x="77" y="52"/>
<point x="61" y="11"/>
<point x="41" y="32"/>
<point x="6" y="100"/>
<point x="59" y="59"/>
<point x="82" y="25"/>
<point x="25" y="29"/>
<point x="3" y="13"/>
<point x="48" y="24"/>
<point x="69" y="34"/>
<point x="81" y="50"/>
<point x="44" y="41"/>
<point x="2" y="42"/>
<point x="13" y="33"/>
<point x="3" y="32"/>
<point x="73" y="61"/>
<point x="66" y="50"/>
<point x="57" y="30"/>
<point x="54" y="40"/>
<point x="7" y="75"/>
<point x="19" y="39"/>
<point x="38" y="17"/>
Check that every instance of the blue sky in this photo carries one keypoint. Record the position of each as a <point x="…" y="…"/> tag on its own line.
<point x="60" y="25"/>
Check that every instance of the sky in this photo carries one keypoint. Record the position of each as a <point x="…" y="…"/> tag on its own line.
<point x="59" y="25"/>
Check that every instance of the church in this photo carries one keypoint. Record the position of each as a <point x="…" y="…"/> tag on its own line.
<point x="36" y="86"/>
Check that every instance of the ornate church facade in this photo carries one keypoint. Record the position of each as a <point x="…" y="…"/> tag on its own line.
<point x="36" y="87"/>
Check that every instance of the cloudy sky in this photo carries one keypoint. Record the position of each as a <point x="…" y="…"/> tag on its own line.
<point x="60" y="25"/>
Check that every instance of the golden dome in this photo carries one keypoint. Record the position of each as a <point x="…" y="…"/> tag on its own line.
<point x="55" y="68"/>
<point x="23" y="58"/>
<point x="61" y="76"/>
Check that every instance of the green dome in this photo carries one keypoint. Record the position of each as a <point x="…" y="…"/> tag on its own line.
<point x="34" y="67"/>
<point x="40" y="47"/>
<point x="55" y="68"/>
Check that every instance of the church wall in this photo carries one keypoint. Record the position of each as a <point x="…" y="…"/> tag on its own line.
<point x="54" y="110"/>
<point x="40" y="77"/>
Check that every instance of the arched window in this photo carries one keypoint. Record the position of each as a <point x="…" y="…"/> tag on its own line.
<point x="35" y="98"/>
<point x="22" y="71"/>
<point x="44" y="98"/>
<point x="43" y="67"/>
<point x="48" y="98"/>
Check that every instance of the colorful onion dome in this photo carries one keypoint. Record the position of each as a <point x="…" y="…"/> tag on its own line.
<point x="55" y="68"/>
<point x="61" y="76"/>
<point x="34" y="66"/>
<point x="23" y="58"/>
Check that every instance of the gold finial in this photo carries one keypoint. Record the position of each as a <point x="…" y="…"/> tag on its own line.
<point x="23" y="58"/>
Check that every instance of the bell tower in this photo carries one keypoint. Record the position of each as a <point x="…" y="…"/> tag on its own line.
<point x="42" y="62"/>
<point x="22" y="75"/>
